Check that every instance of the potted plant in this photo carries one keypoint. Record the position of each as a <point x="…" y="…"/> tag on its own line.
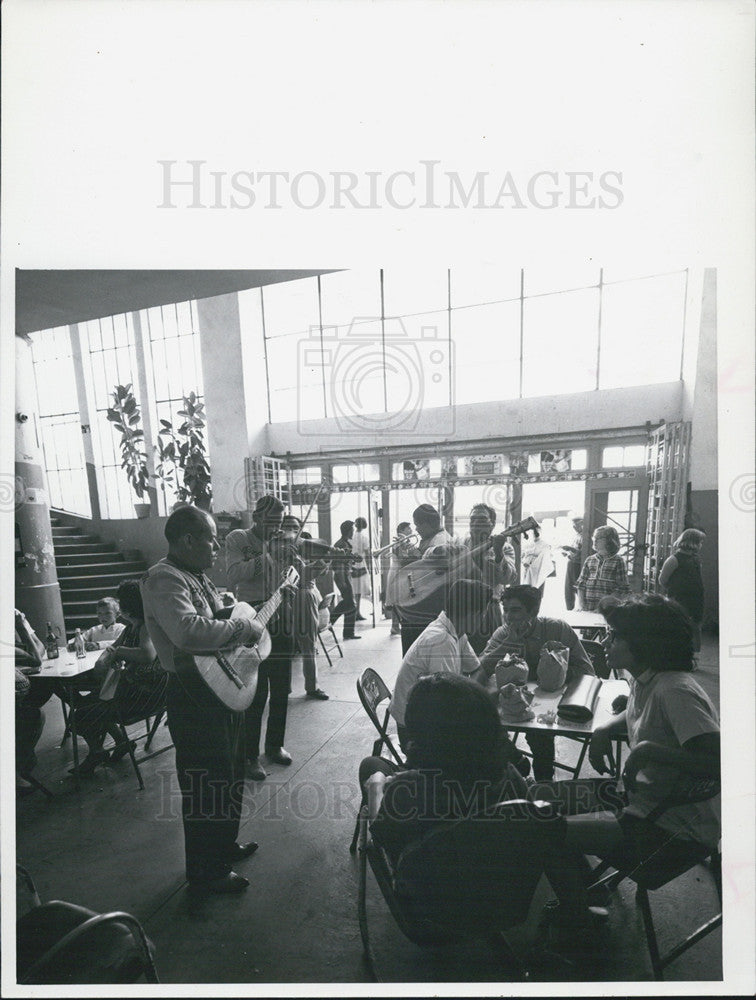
<point x="183" y="450"/>
<point x="125" y="416"/>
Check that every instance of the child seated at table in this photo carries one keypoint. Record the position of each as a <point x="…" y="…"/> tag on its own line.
<point x="102" y="635"/>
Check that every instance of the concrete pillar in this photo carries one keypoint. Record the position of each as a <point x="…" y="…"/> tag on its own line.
<point x="37" y="588"/>
<point x="235" y="396"/>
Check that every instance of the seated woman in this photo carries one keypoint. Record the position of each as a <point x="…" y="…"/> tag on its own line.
<point x="652" y="638"/>
<point x="141" y="688"/>
<point x="455" y="762"/>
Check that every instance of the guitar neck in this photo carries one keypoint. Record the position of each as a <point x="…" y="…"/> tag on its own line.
<point x="270" y="607"/>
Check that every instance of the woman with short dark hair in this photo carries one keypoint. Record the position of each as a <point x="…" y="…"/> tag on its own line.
<point x="651" y="638"/>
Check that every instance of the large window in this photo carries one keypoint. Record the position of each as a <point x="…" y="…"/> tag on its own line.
<point x="59" y="421"/>
<point x="642" y="331"/>
<point x="174" y="365"/>
<point x="110" y="345"/>
<point x="364" y="342"/>
<point x="167" y="369"/>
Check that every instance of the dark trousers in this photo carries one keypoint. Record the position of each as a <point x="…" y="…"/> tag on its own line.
<point x="345" y="607"/>
<point x="274" y="679"/>
<point x="30" y="722"/>
<point x="410" y="632"/>
<point x="571" y="574"/>
<point x="209" y="741"/>
<point x="542" y="747"/>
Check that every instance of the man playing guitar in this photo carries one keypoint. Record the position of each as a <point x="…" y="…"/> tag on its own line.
<point x="255" y="558"/>
<point x="180" y="604"/>
<point x="435" y="543"/>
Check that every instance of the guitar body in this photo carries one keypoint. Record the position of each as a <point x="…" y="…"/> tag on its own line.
<point x="231" y="674"/>
<point x="419" y="581"/>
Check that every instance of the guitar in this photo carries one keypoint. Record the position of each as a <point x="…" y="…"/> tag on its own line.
<point x="232" y="675"/>
<point x="421" y="579"/>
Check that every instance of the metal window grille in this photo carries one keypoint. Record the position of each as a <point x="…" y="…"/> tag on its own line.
<point x="668" y="458"/>
<point x="60" y="421"/>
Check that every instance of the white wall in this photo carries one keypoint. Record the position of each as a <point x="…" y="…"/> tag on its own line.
<point x="702" y="409"/>
<point x="518" y="418"/>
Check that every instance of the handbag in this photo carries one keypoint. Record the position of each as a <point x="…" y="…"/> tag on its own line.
<point x="578" y="702"/>
<point x="109" y="685"/>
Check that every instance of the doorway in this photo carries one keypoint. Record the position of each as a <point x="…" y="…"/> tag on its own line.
<point x="554" y="505"/>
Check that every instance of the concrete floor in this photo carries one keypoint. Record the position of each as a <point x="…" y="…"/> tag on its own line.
<point x="111" y="846"/>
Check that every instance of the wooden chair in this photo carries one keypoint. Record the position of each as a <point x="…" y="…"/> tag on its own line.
<point x="694" y="782"/>
<point x="469" y="879"/>
<point x="63" y="944"/>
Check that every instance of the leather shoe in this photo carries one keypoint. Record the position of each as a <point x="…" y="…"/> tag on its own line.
<point x="255" y="770"/>
<point x="122" y="749"/>
<point x="90" y="762"/>
<point x="278" y="756"/>
<point x="240" y="852"/>
<point x="347" y="637"/>
<point x="317" y="694"/>
<point x="224" y="886"/>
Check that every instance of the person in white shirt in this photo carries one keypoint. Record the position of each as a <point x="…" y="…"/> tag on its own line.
<point x="102" y="635"/>
<point x="443" y="645"/>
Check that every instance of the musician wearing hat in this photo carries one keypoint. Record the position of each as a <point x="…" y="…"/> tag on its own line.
<point x="256" y="558"/>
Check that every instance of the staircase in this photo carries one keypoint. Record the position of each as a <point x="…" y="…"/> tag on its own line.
<point x="88" y="569"/>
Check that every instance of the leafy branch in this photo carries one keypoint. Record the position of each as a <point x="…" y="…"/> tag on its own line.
<point x="126" y="417"/>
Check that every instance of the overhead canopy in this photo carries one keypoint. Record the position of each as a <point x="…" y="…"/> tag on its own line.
<point x="46" y="299"/>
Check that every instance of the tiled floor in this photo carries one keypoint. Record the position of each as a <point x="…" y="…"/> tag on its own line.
<point x="111" y="846"/>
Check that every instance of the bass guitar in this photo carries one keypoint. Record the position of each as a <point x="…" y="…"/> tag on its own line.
<point x="232" y="675"/>
<point x="421" y="579"/>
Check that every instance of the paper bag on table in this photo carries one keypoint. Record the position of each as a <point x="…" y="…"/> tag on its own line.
<point x="552" y="666"/>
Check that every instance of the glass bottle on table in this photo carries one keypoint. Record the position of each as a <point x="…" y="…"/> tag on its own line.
<point x="79" y="647"/>
<point x="51" y="643"/>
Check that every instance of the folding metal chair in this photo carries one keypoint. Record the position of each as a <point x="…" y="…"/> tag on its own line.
<point x="372" y="690"/>
<point x="63" y="943"/>
<point x="469" y="879"/>
<point x="694" y="783"/>
<point x="324" y="625"/>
